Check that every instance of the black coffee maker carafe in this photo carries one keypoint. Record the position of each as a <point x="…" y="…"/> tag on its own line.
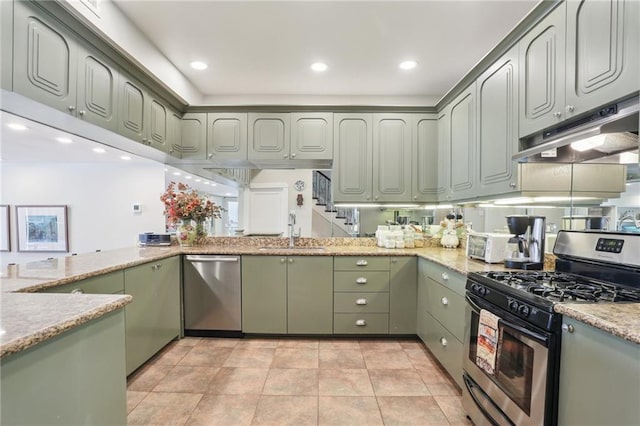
<point x="525" y="250"/>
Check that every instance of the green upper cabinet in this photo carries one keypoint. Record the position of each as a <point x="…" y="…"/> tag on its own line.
<point x="227" y="136"/>
<point x="392" y="157"/>
<point x="310" y="294"/>
<point x="352" y="173"/>
<point x="462" y="136"/>
<point x="45" y="58"/>
<point x="542" y="72"/>
<point x="425" y="158"/>
<point x="174" y="146"/>
<point x="269" y="136"/>
<point x="443" y="182"/>
<point x="311" y="136"/>
<point x="134" y="100"/>
<point x="603" y="45"/>
<point x="498" y="126"/>
<point x="158" y="133"/>
<point x="6" y="45"/>
<point x="194" y="136"/>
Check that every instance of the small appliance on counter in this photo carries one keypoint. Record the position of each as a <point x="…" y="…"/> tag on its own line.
<point x="486" y="246"/>
<point x="525" y="249"/>
<point x="153" y="239"/>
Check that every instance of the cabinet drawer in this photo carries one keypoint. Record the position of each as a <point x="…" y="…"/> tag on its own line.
<point x="367" y="281"/>
<point x="361" y="302"/>
<point x="444" y="346"/>
<point x="358" y="263"/>
<point x="447" y="277"/>
<point x="103" y="284"/>
<point x="362" y="323"/>
<point x="447" y="307"/>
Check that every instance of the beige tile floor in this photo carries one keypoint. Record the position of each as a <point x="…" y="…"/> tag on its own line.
<point x="206" y="381"/>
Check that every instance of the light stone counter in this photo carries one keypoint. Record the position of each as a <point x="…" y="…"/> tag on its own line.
<point x="619" y="319"/>
<point x="37" y="276"/>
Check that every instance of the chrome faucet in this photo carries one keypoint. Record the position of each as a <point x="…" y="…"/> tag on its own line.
<point x="292" y="234"/>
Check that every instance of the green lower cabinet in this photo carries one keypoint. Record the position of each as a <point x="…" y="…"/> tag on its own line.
<point x="423" y="303"/>
<point x="444" y="346"/>
<point x="599" y="378"/>
<point x="361" y="323"/>
<point x="153" y="318"/>
<point x="76" y="378"/>
<point x="310" y="295"/>
<point x="264" y="294"/>
<point x="402" y="295"/>
<point x="103" y="284"/>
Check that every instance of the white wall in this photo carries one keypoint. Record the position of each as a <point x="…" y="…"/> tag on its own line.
<point x="99" y="197"/>
<point x="289" y="177"/>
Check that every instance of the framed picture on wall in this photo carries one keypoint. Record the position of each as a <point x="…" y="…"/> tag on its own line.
<point x="42" y="228"/>
<point x="5" y="239"/>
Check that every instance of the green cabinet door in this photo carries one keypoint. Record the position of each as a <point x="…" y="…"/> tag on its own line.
<point x="392" y="157"/>
<point x="153" y="318"/>
<point x="133" y="100"/>
<point x="422" y="303"/>
<point x="443" y="188"/>
<point x="264" y="294"/>
<point x="462" y="133"/>
<point x="103" y="284"/>
<point x="44" y="58"/>
<point x="311" y="136"/>
<point x="352" y="173"/>
<point x="227" y="136"/>
<point x="269" y="136"/>
<point x="603" y="53"/>
<point x="75" y="378"/>
<point x="6" y="45"/>
<point x="425" y="157"/>
<point x="174" y="142"/>
<point x="194" y="136"/>
<point x="498" y="126"/>
<point x="310" y="294"/>
<point x="599" y="378"/>
<point x="97" y="90"/>
<point x="542" y="73"/>
<point x="402" y="295"/>
<point x="157" y="134"/>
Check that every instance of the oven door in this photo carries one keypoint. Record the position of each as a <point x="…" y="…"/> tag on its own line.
<point x="516" y="392"/>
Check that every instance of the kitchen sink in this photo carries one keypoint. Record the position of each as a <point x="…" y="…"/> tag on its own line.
<point x="307" y="248"/>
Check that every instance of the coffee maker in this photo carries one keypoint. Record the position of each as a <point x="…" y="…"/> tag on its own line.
<point x="525" y="250"/>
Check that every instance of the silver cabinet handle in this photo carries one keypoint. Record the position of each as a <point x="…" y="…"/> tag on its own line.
<point x="361" y="302"/>
<point x="394" y="260"/>
<point x="443" y="341"/>
<point x="293" y="155"/>
<point x="415" y="197"/>
<point x="445" y="276"/>
<point x="361" y="323"/>
<point x="285" y="156"/>
<point x="210" y="156"/>
<point x="290" y="260"/>
<point x="72" y="108"/>
<point x="361" y="280"/>
<point x="159" y="265"/>
<point x="568" y="328"/>
<point x="444" y="301"/>
<point x="77" y="291"/>
<point x="557" y="114"/>
<point x="82" y="112"/>
<point x="570" y="108"/>
<point x="282" y="260"/>
<point x="361" y="262"/>
<point x="154" y="267"/>
<point x="376" y="197"/>
<point x="512" y="185"/>
<point x="171" y="151"/>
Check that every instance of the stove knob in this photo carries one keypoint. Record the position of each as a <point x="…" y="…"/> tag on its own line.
<point x="482" y="291"/>
<point x="513" y="306"/>
<point x="524" y="310"/>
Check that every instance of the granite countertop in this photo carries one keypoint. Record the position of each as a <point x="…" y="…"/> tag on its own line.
<point x="46" y="315"/>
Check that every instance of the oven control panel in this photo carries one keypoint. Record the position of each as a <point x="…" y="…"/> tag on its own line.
<point x="609" y="245"/>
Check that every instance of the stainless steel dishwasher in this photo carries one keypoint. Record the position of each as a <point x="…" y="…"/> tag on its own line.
<point x="212" y="295"/>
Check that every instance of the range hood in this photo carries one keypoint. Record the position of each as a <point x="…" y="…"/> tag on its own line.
<point x="601" y="134"/>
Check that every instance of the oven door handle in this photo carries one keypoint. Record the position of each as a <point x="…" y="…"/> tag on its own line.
<point x="472" y="388"/>
<point x="532" y="334"/>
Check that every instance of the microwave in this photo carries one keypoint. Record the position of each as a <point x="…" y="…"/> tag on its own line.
<point x="488" y="247"/>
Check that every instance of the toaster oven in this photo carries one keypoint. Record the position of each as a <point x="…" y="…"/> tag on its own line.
<point x="488" y="247"/>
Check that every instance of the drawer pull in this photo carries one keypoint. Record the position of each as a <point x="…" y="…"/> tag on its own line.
<point x="361" y="302"/>
<point x="445" y="276"/>
<point x="77" y="291"/>
<point x="361" y="262"/>
<point x="444" y="301"/>
<point x="361" y="323"/>
<point x="443" y="341"/>
<point x="361" y="280"/>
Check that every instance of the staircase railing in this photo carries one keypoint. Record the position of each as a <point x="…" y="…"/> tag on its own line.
<point x="322" y="193"/>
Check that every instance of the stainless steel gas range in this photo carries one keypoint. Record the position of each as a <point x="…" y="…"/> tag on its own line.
<point x="513" y="336"/>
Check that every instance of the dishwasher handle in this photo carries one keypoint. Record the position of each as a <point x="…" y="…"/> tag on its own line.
<point x="196" y="259"/>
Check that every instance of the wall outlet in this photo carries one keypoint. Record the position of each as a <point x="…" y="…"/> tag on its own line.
<point x="137" y="208"/>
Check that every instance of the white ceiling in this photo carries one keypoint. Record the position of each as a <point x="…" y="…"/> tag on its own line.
<point x="257" y="48"/>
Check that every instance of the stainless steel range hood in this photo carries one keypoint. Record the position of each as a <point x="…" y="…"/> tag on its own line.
<point x="606" y="132"/>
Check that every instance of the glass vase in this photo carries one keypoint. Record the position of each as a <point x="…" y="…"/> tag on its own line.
<point x="186" y="233"/>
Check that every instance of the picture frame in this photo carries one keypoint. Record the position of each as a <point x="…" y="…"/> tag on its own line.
<point x="5" y="236"/>
<point x="42" y="228"/>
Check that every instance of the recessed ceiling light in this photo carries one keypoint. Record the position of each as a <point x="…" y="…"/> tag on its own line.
<point x="408" y="65"/>
<point x="213" y="184"/>
<point x="206" y="183"/>
<point x="199" y="65"/>
<point x="16" y="126"/>
<point x="176" y="173"/>
<point x="64" y="140"/>
<point x="228" y="194"/>
<point x="198" y="180"/>
<point x="319" y="66"/>
<point x="99" y="150"/>
<point x="125" y="157"/>
<point x="187" y="177"/>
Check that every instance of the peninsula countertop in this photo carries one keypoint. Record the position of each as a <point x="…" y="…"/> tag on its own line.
<point x="21" y="282"/>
